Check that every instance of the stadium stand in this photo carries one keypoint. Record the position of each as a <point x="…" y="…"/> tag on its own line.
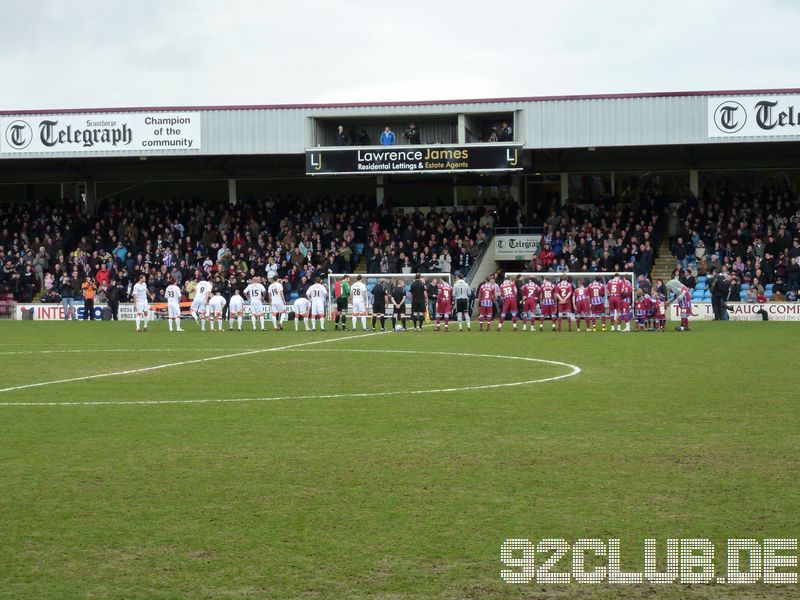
<point x="293" y="237"/>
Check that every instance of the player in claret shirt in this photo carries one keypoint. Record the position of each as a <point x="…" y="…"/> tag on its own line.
<point x="683" y="296"/>
<point x="444" y="304"/>
<point x="486" y="295"/>
<point x="639" y="311"/>
<point x="627" y="291"/>
<point x="581" y="298"/>
<point x="530" y="298"/>
<point x="614" y="291"/>
<point x="508" y="296"/>
<point x="659" y="311"/>
<point x="597" y="292"/>
<point x="564" y="291"/>
<point x="547" y="302"/>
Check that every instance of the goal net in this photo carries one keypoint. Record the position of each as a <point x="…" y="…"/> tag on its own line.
<point x="390" y="282"/>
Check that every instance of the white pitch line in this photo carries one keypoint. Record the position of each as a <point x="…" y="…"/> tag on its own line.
<point x="574" y="370"/>
<point x="181" y="363"/>
<point x="104" y="350"/>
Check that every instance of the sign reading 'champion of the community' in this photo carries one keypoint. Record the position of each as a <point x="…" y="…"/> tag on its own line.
<point x="382" y="160"/>
<point x="102" y="132"/>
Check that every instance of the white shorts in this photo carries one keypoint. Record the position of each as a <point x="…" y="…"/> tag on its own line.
<point x="318" y="308"/>
<point x="199" y="306"/>
<point x="173" y="310"/>
<point x="141" y="307"/>
<point x="359" y="308"/>
<point x="236" y="308"/>
<point x="300" y="311"/>
<point x="256" y="307"/>
<point x="277" y="308"/>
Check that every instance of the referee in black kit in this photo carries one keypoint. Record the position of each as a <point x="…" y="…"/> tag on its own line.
<point x="419" y="299"/>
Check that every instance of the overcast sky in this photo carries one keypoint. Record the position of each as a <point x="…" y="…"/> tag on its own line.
<point x="87" y="53"/>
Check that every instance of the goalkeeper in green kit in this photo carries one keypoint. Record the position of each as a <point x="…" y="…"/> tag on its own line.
<point x="342" y="292"/>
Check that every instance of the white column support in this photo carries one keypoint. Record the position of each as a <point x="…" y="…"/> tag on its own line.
<point x="232" y="196"/>
<point x="694" y="182"/>
<point x="564" y="188"/>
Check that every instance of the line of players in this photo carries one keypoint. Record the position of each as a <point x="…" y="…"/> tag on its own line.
<point x="560" y="301"/>
<point x="535" y="300"/>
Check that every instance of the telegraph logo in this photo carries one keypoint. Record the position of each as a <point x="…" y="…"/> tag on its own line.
<point x="730" y="117"/>
<point x="19" y="134"/>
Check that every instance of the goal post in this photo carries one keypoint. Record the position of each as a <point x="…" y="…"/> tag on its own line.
<point x="371" y="280"/>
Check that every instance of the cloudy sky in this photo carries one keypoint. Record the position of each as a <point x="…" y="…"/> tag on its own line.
<point x="87" y="53"/>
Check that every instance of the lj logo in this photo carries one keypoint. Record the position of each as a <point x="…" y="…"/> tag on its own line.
<point x="19" y="135"/>
<point x="316" y="163"/>
<point x="730" y="117"/>
<point x="511" y="157"/>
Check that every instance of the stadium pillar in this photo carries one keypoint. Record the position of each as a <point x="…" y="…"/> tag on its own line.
<point x="694" y="182"/>
<point x="613" y="185"/>
<point x="232" y="192"/>
<point x="91" y="197"/>
<point x="379" y="190"/>
<point x="462" y="128"/>
<point x="564" y="188"/>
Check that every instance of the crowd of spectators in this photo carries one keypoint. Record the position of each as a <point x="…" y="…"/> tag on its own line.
<point x="50" y="249"/>
<point x="745" y="242"/>
<point x="607" y="236"/>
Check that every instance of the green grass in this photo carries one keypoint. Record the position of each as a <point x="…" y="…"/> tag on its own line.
<point x="389" y="496"/>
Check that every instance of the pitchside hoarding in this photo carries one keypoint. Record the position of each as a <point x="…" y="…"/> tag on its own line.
<point x="746" y="116"/>
<point x="742" y="311"/>
<point x="391" y="160"/>
<point x="102" y="132"/>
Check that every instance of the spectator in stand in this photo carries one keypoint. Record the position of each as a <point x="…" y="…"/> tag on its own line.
<point x="506" y="133"/>
<point x="412" y="134"/>
<point x="387" y="137"/>
<point x="735" y="290"/>
<point x="341" y="136"/>
<point x="364" y="139"/>
<point x="681" y="252"/>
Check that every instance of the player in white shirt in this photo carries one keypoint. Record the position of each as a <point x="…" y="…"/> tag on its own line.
<point x="277" y="303"/>
<point x="302" y="307"/>
<point x="173" y="294"/>
<point x="200" y="303"/>
<point x="255" y="292"/>
<point x="358" y="294"/>
<point x="215" y="308"/>
<point x="236" y="309"/>
<point x="317" y="294"/>
<point x="141" y="307"/>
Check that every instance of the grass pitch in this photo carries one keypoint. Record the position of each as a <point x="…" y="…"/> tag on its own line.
<point x="310" y="470"/>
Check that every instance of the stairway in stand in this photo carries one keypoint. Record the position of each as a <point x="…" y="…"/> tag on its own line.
<point x="664" y="264"/>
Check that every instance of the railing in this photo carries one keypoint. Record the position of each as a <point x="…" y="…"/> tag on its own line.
<point x="518" y="230"/>
<point x="470" y="275"/>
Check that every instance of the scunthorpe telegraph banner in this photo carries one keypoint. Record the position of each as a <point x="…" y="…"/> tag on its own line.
<point x="746" y="116"/>
<point x="101" y="132"/>
<point x="743" y="311"/>
<point x="386" y="160"/>
<point x="516" y="247"/>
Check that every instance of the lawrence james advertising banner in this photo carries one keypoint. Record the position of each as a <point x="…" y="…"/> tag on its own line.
<point x="763" y="116"/>
<point x="743" y="311"/>
<point x="391" y="160"/>
<point x="516" y="247"/>
<point x="102" y="132"/>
